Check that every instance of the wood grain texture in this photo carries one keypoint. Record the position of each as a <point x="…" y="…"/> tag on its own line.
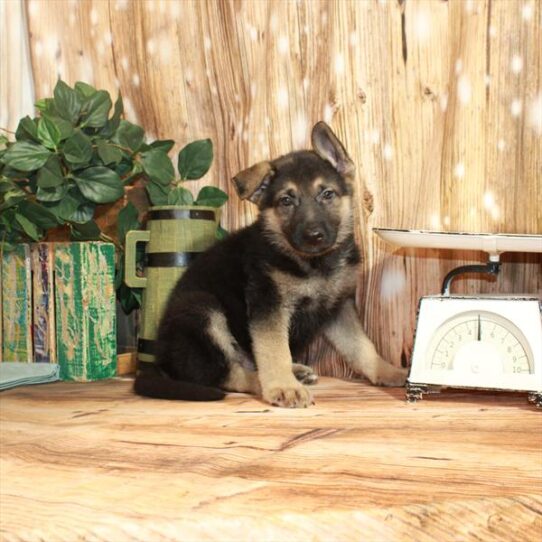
<point x="94" y="462"/>
<point x="439" y="104"/>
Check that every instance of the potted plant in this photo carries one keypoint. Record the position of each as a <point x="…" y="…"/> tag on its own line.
<point x="68" y="164"/>
<point x="179" y="227"/>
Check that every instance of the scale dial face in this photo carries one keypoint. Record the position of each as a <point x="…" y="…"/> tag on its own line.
<point x="490" y="342"/>
<point x="478" y="343"/>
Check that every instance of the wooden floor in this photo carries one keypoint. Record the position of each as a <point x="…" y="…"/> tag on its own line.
<point x="94" y="462"/>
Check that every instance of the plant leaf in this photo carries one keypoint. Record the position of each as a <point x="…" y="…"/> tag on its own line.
<point x="27" y="129"/>
<point x="157" y="165"/>
<point x="83" y="213"/>
<point x="48" y="133"/>
<point x="67" y="102"/>
<point x="163" y="144"/>
<point x="109" y="154"/>
<point x="127" y="220"/>
<point x="99" y="184"/>
<point x="26" y="156"/>
<point x="221" y="233"/>
<point x="38" y="214"/>
<point x="195" y="159"/>
<point x="84" y="90"/>
<point x="158" y="194"/>
<point x="64" y="127"/>
<point x="28" y="227"/>
<point x="180" y="196"/>
<point x="67" y="206"/>
<point x="51" y="173"/>
<point x="129" y="135"/>
<point x="89" y="231"/>
<point x="211" y="196"/>
<point x="95" y="109"/>
<point x="56" y="193"/>
<point x="78" y="149"/>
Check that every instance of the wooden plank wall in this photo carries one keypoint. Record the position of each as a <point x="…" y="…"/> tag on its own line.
<point x="438" y="102"/>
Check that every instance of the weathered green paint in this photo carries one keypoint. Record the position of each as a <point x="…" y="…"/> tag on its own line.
<point x="16" y="304"/>
<point x="85" y="310"/>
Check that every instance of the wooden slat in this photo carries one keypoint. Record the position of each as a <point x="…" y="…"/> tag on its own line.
<point x="16" y="304"/>
<point x="94" y="462"/>
<point x="85" y="310"/>
<point x="43" y="302"/>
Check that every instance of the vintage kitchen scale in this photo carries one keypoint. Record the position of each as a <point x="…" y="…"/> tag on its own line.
<point x="491" y="342"/>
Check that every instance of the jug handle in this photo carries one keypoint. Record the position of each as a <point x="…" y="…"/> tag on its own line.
<point x="130" y="277"/>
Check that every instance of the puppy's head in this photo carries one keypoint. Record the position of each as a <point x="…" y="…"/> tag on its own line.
<point x="304" y="197"/>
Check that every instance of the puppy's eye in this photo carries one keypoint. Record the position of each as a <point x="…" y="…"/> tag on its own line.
<point x="286" y="201"/>
<point x="328" y="194"/>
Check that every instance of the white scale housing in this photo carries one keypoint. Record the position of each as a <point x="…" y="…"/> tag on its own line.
<point x="483" y="341"/>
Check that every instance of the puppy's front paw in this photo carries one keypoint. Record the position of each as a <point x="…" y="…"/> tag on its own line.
<point x="304" y="374"/>
<point x="386" y="374"/>
<point x="288" y="396"/>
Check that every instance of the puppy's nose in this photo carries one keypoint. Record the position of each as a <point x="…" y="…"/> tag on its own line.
<point x="314" y="236"/>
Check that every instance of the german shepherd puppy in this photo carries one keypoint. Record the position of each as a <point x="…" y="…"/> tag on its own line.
<point x="253" y="301"/>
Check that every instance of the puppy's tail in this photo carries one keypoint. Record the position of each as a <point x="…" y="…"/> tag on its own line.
<point x="158" y="386"/>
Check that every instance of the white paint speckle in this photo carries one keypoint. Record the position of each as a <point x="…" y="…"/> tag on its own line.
<point x="393" y="282"/>
<point x="253" y="88"/>
<point x="299" y="131"/>
<point x="261" y="138"/>
<point x="492" y="31"/>
<point x="387" y="152"/>
<point x="458" y="66"/>
<point x="188" y="74"/>
<point x="328" y="113"/>
<point x="446" y="221"/>
<point x="237" y="98"/>
<point x="283" y="45"/>
<point x="267" y="122"/>
<point x="422" y="25"/>
<point x="487" y="80"/>
<point x="175" y="10"/>
<point x="501" y="145"/>
<point x="108" y="38"/>
<point x="214" y="90"/>
<point x="495" y="212"/>
<point x="135" y="80"/>
<point x="527" y="11"/>
<point x="443" y="102"/>
<point x="207" y="43"/>
<point x="339" y="64"/>
<point x="305" y="83"/>
<point x="121" y="5"/>
<point x="516" y="64"/>
<point x="282" y="97"/>
<point x="469" y="6"/>
<point x="124" y="63"/>
<point x="353" y="39"/>
<point x="151" y="46"/>
<point x="374" y="137"/>
<point x="534" y="114"/>
<point x="516" y="107"/>
<point x="306" y="29"/>
<point x="33" y="8"/>
<point x="94" y="16"/>
<point x="434" y="221"/>
<point x="253" y="33"/>
<point x="488" y="200"/>
<point x="464" y="90"/>
<point x="459" y="170"/>
<point x="274" y="22"/>
<point x="117" y="82"/>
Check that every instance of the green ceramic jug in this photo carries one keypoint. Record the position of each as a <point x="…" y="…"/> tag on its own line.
<point x="174" y="236"/>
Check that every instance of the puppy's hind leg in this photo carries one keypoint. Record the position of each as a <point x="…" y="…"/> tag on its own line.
<point x="348" y="337"/>
<point x="240" y="377"/>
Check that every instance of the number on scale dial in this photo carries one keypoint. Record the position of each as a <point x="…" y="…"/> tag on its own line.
<point x="479" y="342"/>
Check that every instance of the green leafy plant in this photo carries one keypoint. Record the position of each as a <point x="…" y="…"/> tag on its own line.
<point x="80" y="153"/>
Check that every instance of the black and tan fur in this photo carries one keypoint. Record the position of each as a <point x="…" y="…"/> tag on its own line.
<point x="254" y="301"/>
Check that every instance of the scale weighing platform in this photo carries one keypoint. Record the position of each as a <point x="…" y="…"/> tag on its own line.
<point x="491" y="342"/>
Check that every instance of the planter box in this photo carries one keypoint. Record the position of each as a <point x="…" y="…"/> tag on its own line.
<point x="58" y="305"/>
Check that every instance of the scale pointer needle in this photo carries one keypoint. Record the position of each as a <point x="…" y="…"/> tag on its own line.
<point x="479" y="338"/>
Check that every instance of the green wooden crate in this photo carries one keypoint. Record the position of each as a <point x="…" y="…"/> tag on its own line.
<point x="85" y="310"/>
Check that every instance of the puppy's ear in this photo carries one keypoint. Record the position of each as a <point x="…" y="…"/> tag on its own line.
<point x="328" y="147"/>
<point x="252" y="182"/>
